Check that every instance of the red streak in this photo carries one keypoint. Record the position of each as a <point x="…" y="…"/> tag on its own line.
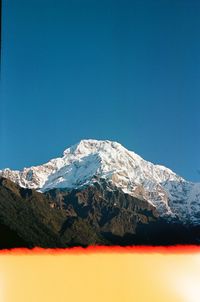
<point x="180" y="249"/>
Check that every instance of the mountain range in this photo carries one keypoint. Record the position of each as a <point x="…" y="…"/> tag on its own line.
<point x="97" y="192"/>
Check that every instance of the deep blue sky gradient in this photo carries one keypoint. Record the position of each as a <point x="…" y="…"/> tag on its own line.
<point x="120" y="70"/>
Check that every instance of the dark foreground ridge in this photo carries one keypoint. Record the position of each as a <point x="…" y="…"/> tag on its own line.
<point x="100" y="214"/>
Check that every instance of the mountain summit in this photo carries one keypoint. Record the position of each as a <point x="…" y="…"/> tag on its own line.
<point x="91" y="161"/>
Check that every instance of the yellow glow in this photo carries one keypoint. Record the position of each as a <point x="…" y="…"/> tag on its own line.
<point x="100" y="277"/>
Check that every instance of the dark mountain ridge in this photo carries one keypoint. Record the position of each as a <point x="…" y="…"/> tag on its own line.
<point x="98" y="214"/>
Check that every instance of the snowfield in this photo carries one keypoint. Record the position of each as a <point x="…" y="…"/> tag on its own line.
<point x="92" y="160"/>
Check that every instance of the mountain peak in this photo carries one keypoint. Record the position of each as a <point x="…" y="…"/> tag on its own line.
<point x="92" y="146"/>
<point x="90" y="160"/>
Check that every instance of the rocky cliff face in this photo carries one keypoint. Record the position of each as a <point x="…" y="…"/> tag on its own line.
<point x="99" y="214"/>
<point x="105" y="207"/>
<point x="60" y="218"/>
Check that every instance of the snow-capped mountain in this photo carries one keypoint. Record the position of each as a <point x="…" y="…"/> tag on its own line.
<point x="90" y="161"/>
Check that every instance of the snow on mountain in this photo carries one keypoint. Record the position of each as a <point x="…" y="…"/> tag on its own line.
<point x="90" y="160"/>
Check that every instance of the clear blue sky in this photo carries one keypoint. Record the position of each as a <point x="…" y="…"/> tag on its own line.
<point x="120" y="70"/>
